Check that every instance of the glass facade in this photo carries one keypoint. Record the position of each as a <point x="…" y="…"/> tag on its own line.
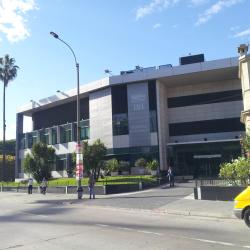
<point x="54" y="135"/>
<point x="44" y="136"/>
<point x="66" y="133"/>
<point x="50" y="136"/>
<point x="153" y="121"/>
<point x="202" y="159"/>
<point x="120" y="124"/>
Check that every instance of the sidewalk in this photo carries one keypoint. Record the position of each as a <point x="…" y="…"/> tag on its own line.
<point x="203" y="208"/>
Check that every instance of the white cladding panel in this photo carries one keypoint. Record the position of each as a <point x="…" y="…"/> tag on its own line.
<point x="100" y="116"/>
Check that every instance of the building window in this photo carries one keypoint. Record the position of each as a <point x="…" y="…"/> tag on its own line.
<point x="208" y="98"/>
<point x="44" y="136"/>
<point x="205" y="127"/>
<point x="32" y="139"/>
<point x="54" y="135"/>
<point x="61" y="162"/>
<point x="153" y="121"/>
<point x="120" y="124"/>
<point x="65" y="133"/>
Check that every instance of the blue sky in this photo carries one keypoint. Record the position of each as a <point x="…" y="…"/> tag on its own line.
<point x="111" y="34"/>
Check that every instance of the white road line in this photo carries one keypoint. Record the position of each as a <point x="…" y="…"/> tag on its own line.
<point x="246" y="246"/>
<point x="212" y="241"/>
<point x="125" y="228"/>
<point x="145" y="232"/>
<point x="102" y="225"/>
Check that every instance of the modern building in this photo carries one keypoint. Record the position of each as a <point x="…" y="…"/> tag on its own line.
<point x="187" y="116"/>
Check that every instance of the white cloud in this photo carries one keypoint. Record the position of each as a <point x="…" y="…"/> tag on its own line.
<point x="157" y="25"/>
<point x="215" y="9"/>
<point x="243" y="33"/>
<point x="12" y="22"/>
<point x="153" y="6"/>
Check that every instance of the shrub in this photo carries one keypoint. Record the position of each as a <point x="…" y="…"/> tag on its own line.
<point x="237" y="171"/>
<point x="152" y="165"/>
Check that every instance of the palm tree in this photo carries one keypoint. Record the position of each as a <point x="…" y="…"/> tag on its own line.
<point x="8" y="71"/>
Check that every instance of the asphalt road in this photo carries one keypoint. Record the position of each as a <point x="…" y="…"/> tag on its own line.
<point x="59" y="222"/>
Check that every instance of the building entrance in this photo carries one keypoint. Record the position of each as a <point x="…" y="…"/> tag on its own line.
<point x="202" y="159"/>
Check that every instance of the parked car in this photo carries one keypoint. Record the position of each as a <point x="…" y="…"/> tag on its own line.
<point x="242" y="206"/>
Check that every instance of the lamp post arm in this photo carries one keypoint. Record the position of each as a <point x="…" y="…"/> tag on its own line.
<point x="69" y="48"/>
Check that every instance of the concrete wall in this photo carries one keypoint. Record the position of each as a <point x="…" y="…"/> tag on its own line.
<point x="100" y="114"/>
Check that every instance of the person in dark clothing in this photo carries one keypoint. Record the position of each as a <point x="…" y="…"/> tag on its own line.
<point x="91" y="186"/>
<point x="30" y="185"/>
<point x="171" y="176"/>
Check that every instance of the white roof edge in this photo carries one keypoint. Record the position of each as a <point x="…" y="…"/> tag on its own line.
<point x="137" y="76"/>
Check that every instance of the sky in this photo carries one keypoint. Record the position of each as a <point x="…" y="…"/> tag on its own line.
<point x="108" y="34"/>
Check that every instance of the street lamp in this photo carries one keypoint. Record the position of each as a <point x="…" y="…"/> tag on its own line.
<point x="79" y="164"/>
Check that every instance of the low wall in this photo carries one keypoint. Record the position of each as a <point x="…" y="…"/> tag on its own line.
<point x="217" y="192"/>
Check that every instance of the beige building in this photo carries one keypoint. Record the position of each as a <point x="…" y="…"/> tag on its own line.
<point x="244" y="75"/>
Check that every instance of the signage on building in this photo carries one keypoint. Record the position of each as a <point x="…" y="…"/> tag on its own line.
<point x="206" y="156"/>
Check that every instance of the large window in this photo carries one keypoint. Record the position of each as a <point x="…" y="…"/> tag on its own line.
<point x="120" y="124"/>
<point x="61" y="162"/>
<point x="32" y="139"/>
<point x="153" y="121"/>
<point x="54" y="136"/>
<point x="224" y="96"/>
<point x="44" y="135"/>
<point x="22" y="141"/>
<point x="65" y="133"/>
<point x="204" y="127"/>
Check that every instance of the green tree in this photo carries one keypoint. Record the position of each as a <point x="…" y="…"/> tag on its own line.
<point x="93" y="156"/>
<point x="237" y="171"/>
<point x="8" y="72"/>
<point x="39" y="163"/>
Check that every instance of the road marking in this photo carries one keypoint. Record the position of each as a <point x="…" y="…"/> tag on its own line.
<point x="145" y="232"/>
<point x="125" y="194"/>
<point x="125" y="228"/>
<point x="212" y="241"/>
<point x="246" y="246"/>
<point x="102" y="225"/>
<point x="32" y="214"/>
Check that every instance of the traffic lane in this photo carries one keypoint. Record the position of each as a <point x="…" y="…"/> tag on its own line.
<point x="50" y="224"/>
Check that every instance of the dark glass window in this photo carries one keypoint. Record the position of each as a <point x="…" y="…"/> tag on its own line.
<point x="120" y="124"/>
<point x="204" y="127"/>
<point x="152" y="95"/>
<point x="225" y="96"/>
<point x="153" y="121"/>
<point x="61" y="162"/>
<point x="54" y="135"/>
<point x="62" y="114"/>
<point x="65" y="133"/>
<point x="32" y="138"/>
<point x="119" y="99"/>
<point x="44" y="135"/>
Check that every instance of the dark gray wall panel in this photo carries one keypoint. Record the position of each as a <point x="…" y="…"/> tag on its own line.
<point x="138" y="114"/>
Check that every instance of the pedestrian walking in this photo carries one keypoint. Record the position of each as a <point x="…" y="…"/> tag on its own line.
<point x="171" y="176"/>
<point x="30" y="185"/>
<point x="91" y="186"/>
<point x="43" y="186"/>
